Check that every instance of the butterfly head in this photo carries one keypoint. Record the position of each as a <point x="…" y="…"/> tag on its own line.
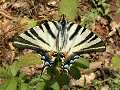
<point x="63" y="22"/>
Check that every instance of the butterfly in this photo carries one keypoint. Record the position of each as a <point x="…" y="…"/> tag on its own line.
<point x="61" y="38"/>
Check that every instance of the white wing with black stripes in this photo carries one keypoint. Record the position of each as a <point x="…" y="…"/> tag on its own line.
<point x="80" y="40"/>
<point x="40" y="38"/>
<point x="66" y="37"/>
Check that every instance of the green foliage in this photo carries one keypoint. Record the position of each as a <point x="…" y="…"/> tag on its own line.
<point x="15" y="80"/>
<point x="29" y="59"/>
<point x="14" y="68"/>
<point x="113" y="83"/>
<point x="68" y="8"/>
<point x="53" y="77"/>
<point x="12" y="84"/>
<point x="82" y="63"/>
<point x="25" y="60"/>
<point x="89" y="18"/>
<point x="27" y="22"/>
<point x="40" y="86"/>
<point x="101" y="6"/>
<point x="55" y="86"/>
<point x="25" y="86"/>
<point x="63" y="79"/>
<point x="32" y="23"/>
<point x="74" y="72"/>
<point x="97" y="84"/>
<point x="5" y="73"/>
<point x="116" y="61"/>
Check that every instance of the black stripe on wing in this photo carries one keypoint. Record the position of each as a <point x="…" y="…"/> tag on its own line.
<point x="98" y="47"/>
<point x="88" y="37"/>
<point x="82" y="40"/>
<point x="26" y="32"/>
<point x="75" y="33"/>
<point x="24" y="44"/>
<point x="71" y="24"/>
<point x="42" y="37"/>
<point x="49" y="30"/>
<point x="37" y="36"/>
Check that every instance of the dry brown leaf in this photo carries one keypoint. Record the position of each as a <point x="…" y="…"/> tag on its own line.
<point x="101" y="29"/>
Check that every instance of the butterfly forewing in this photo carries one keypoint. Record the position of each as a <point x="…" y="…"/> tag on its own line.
<point x="81" y="40"/>
<point x="41" y="37"/>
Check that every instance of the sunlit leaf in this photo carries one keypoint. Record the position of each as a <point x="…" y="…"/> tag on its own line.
<point x="14" y="69"/>
<point x="116" y="61"/>
<point x="5" y="73"/>
<point x="55" y="86"/>
<point x="32" y="23"/>
<point x="29" y="59"/>
<point x="68" y="8"/>
<point x="4" y="85"/>
<point x="82" y="63"/>
<point x="27" y="22"/>
<point x="12" y="85"/>
<point x="40" y="86"/>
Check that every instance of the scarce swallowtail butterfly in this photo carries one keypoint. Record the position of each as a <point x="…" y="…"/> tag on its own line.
<point x="67" y="39"/>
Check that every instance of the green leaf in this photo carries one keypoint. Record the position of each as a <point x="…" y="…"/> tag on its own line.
<point x="27" y="22"/>
<point x="55" y="86"/>
<point x="45" y="77"/>
<point x="29" y="59"/>
<point x="52" y="71"/>
<point x="75" y="72"/>
<point x="39" y="78"/>
<point x="40" y="86"/>
<point x="25" y="87"/>
<point x="12" y="85"/>
<point x="82" y="63"/>
<point x="89" y="18"/>
<point x="68" y="8"/>
<point x="63" y="79"/>
<point x="3" y="86"/>
<point x="5" y="73"/>
<point x="102" y="7"/>
<point x="116" y="61"/>
<point x="32" y="23"/>
<point x="14" y="69"/>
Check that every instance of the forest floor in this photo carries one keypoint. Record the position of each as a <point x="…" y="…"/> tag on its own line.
<point x="15" y="14"/>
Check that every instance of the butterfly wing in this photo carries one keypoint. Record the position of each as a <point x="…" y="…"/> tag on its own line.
<point x="81" y="40"/>
<point x="40" y="38"/>
<point x="49" y="36"/>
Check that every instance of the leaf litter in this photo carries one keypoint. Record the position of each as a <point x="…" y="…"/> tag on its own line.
<point x="14" y="16"/>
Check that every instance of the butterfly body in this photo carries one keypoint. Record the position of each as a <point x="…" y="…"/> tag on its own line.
<point x="59" y="38"/>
